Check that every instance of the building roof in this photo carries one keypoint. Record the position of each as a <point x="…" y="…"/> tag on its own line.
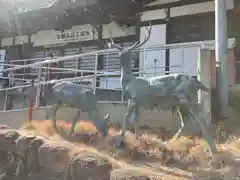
<point x="30" y="5"/>
<point x="34" y="5"/>
<point x="35" y="15"/>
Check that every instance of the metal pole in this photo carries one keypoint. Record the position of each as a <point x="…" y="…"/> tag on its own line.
<point x="38" y="93"/>
<point x="95" y="73"/>
<point x="76" y="67"/>
<point x="6" y="101"/>
<point x="24" y="70"/>
<point x="106" y="78"/>
<point x="144" y="60"/>
<point x="183" y="56"/>
<point x="31" y="101"/>
<point x="221" y="50"/>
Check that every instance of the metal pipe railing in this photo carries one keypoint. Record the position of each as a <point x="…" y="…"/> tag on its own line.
<point x="51" y="61"/>
<point x="206" y="44"/>
<point x="78" y="70"/>
<point x="48" y="82"/>
<point x="66" y="79"/>
<point x="17" y="79"/>
<point x="72" y="79"/>
<point x="101" y="52"/>
<point x="96" y="73"/>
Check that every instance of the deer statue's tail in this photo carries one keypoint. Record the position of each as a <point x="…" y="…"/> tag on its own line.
<point x="201" y="86"/>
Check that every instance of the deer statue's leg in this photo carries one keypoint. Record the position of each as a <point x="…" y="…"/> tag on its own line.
<point x="126" y="121"/>
<point x="177" y="135"/>
<point x="54" y="113"/>
<point x="204" y="129"/>
<point x="173" y="110"/>
<point x="182" y="111"/>
<point x="49" y="112"/>
<point x="74" y="121"/>
<point x="119" y="139"/>
<point x="184" y="119"/>
<point x="131" y="106"/>
<point x="136" y="121"/>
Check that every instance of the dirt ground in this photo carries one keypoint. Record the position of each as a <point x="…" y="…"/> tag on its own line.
<point x="154" y="153"/>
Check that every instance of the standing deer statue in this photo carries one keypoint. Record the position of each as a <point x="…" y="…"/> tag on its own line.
<point x="80" y="97"/>
<point x="165" y="92"/>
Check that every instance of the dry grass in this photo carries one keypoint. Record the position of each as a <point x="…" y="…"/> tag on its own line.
<point x="179" y="159"/>
<point x="148" y="149"/>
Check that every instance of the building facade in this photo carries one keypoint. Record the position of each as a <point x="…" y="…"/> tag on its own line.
<point x="84" y="28"/>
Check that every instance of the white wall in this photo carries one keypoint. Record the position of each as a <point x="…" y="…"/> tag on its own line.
<point x="21" y="39"/>
<point x="184" y="60"/>
<point x="158" y="37"/>
<point x="152" y="15"/>
<point x="117" y="31"/>
<point x="110" y="82"/>
<point x="8" y="41"/>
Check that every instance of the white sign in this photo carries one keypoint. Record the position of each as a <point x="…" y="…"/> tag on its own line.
<point x="79" y="35"/>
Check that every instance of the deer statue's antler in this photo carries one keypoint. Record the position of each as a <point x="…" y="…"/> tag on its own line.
<point x="137" y="44"/>
<point x="110" y="33"/>
<point x="112" y="43"/>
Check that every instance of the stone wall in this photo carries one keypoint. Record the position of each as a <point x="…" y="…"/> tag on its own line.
<point x="116" y="112"/>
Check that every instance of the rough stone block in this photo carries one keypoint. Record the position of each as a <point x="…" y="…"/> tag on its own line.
<point x="32" y="159"/>
<point x="87" y="166"/>
<point x="128" y="174"/>
<point x="53" y="157"/>
<point x="7" y="140"/>
<point x="23" y="143"/>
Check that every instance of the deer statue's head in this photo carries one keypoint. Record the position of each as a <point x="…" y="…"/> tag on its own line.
<point x="102" y="125"/>
<point x="123" y="51"/>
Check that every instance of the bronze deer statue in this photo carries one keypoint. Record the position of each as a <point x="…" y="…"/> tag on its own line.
<point x="174" y="91"/>
<point x="80" y="97"/>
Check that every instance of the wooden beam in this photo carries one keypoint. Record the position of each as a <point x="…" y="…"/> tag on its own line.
<point x="174" y="4"/>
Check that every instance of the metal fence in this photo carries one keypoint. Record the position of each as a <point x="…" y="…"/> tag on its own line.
<point x="104" y="93"/>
